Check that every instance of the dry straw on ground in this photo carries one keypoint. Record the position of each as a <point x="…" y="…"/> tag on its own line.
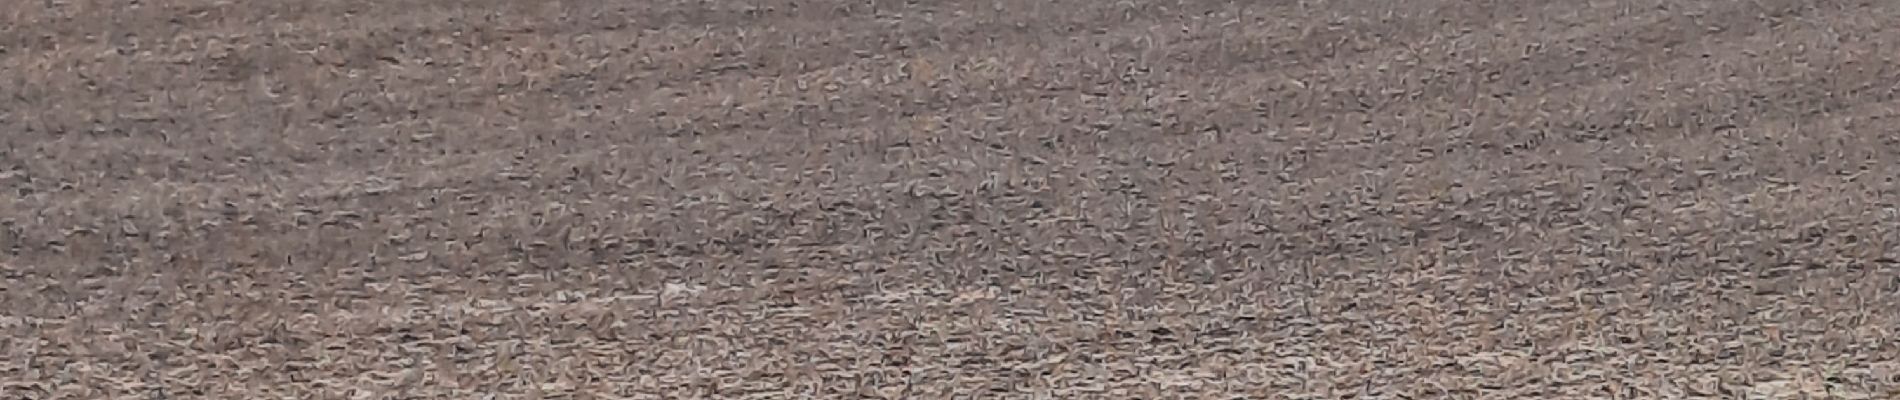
<point x="1433" y="199"/>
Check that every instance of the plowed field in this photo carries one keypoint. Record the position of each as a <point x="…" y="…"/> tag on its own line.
<point x="1347" y="199"/>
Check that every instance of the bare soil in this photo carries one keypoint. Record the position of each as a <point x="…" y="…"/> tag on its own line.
<point x="1452" y="199"/>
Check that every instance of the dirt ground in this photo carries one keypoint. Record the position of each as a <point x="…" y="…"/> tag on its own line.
<point x="1347" y="199"/>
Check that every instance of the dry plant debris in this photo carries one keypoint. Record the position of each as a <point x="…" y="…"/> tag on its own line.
<point x="1347" y="199"/>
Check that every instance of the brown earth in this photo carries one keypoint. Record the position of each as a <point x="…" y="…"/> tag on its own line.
<point x="371" y="199"/>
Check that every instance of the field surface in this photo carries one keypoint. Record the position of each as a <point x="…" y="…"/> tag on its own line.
<point x="1064" y="199"/>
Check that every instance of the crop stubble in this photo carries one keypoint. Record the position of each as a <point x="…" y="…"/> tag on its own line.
<point x="1062" y="199"/>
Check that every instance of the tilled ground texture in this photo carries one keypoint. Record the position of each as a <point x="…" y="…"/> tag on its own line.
<point x="369" y="199"/>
